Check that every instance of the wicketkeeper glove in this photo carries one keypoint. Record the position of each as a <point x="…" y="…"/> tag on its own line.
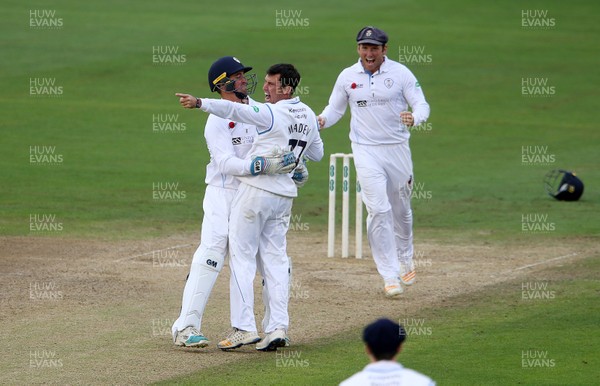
<point x="278" y="162"/>
<point x="300" y="174"/>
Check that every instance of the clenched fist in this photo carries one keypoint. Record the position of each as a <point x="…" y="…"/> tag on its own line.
<point x="407" y="118"/>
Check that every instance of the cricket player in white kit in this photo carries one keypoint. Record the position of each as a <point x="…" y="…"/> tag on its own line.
<point x="383" y="340"/>
<point x="379" y="92"/>
<point x="261" y="209"/>
<point x="229" y="143"/>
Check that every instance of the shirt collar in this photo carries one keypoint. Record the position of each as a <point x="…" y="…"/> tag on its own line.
<point x="384" y="365"/>
<point x="293" y="100"/>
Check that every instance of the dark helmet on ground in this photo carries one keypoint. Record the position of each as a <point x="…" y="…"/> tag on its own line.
<point x="222" y="69"/>
<point x="563" y="185"/>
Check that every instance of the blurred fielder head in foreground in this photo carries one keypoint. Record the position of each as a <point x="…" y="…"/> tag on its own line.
<point x="383" y="339"/>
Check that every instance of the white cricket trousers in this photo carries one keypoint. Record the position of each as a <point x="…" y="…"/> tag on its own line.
<point x="385" y="173"/>
<point x="258" y="223"/>
<point x="213" y="248"/>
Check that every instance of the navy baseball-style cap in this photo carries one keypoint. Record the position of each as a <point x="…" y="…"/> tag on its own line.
<point x="384" y="336"/>
<point x="223" y="68"/>
<point x="372" y="35"/>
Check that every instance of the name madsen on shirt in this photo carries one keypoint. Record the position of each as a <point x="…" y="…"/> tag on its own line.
<point x="299" y="128"/>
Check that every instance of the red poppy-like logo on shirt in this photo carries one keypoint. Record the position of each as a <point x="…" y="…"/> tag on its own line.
<point x="353" y="85"/>
<point x="231" y="125"/>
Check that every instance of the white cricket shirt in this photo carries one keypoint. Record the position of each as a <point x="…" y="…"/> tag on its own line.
<point x="229" y="143"/>
<point x="376" y="101"/>
<point x="288" y="124"/>
<point x="387" y="373"/>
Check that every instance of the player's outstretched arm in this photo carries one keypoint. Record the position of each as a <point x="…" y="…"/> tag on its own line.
<point x="259" y="114"/>
<point x="187" y="101"/>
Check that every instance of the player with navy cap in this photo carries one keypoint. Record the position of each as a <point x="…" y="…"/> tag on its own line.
<point x="261" y="209"/>
<point x="380" y="92"/>
<point x="229" y="143"/>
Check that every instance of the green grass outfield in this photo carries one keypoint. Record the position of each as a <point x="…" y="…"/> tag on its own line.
<point x="99" y="131"/>
<point x="469" y="159"/>
<point x="508" y="334"/>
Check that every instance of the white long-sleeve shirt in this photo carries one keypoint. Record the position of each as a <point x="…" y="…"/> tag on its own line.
<point x="376" y="101"/>
<point x="288" y="124"/>
<point x="387" y="373"/>
<point x="229" y="149"/>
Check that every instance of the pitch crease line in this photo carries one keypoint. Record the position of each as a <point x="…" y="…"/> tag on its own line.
<point x="546" y="261"/>
<point x="151" y="252"/>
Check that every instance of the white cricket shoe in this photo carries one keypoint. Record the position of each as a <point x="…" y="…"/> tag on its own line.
<point x="237" y="338"/>
<point x="392" y="288"/>
<point x="190" y="337"/>
<point x="270" y="342"/>
<point x="408" y="274"/>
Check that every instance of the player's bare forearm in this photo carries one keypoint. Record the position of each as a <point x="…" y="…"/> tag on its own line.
<point x="259" y="114"/>
<point x="188" y="101"/>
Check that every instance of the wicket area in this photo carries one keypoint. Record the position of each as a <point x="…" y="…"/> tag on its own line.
<point x="345" y="208"/>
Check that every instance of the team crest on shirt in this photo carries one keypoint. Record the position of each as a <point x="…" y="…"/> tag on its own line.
<point x="389" y="82"/>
